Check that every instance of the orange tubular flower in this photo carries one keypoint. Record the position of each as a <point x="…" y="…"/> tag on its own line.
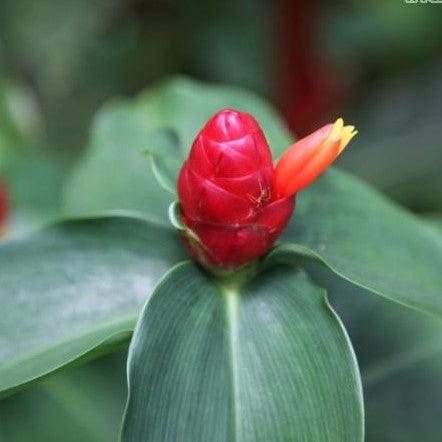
<point x="305" y="160"/>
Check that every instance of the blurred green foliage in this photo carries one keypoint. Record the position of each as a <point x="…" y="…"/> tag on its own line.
<point x="32" y="177"/>
<point x="400" y="357"/>
<point x="75" y="55"/>
<point x="81" y="404"/>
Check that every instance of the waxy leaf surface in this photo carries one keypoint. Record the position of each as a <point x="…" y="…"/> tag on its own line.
<point x="267" y="362"/>
<point x="74" y="288"/>
<point x="83" y="403"/>
<point x="368" y="240"/>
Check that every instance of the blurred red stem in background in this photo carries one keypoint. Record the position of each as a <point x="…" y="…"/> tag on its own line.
<point x="309" y="91"/>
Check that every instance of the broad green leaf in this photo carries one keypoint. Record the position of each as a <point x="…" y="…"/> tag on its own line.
<point x="270" y="361"/>
<point x="116" y="173"/>
<point x="80" y="404"/>
<point x="400" y="357"/>
<point x="75" y="289"/>
<point x="399" y="353"/>
<point x="368" y="240"/>
<point x="400" y="385"/>
<point x="33" y="181"/>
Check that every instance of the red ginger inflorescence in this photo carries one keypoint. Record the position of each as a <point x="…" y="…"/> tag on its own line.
<point x="235" y="202"/>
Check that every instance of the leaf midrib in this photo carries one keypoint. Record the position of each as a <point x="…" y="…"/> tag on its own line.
<point x="231" y="310"/>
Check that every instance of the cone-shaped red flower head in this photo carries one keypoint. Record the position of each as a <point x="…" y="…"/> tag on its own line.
<point x="3" y="208"/>
<point x="233" y="199"/>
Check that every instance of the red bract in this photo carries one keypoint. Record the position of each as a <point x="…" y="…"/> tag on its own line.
<point x="231" y="197"/>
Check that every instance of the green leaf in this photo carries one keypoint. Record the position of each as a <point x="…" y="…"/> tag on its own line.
<point x="270" y="361"/>
<point x="63" y="408"/>
<point x="400" y="357"/>
<point x="115" y="173"/>
<point x="368" y="240"/>
<point x="409" y="369"/>
<point x="166" y="157"/>
<point x="33" y="182"/>
<point x="74" y="290"/>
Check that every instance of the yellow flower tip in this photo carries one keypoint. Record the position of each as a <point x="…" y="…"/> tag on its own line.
<point x="348" y="133"/>
<point x="335" y="133"/>
<point x="341" y="133"/>
<point x="304" y="161"/>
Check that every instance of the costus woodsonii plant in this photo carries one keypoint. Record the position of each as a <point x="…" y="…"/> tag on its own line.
<point x="234" y="200"/>
<point x="248" y="346"/>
